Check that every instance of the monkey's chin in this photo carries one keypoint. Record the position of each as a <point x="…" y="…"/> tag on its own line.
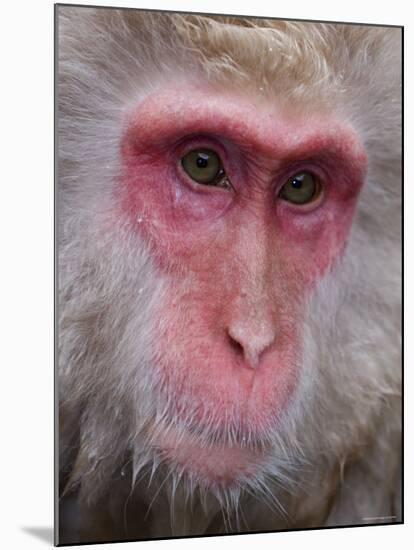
<point x="219" y="465"/>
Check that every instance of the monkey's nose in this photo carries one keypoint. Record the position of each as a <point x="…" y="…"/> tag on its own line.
<point x="251" y="341"/>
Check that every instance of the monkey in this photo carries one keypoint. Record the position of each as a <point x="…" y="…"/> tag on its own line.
<point x="228" y="272"/>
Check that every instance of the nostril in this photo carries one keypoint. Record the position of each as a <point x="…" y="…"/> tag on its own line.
<point x="235" y="345"/>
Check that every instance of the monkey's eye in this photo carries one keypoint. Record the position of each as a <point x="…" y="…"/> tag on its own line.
<point x="301" y="188"/>
<point x="204" y="166"/>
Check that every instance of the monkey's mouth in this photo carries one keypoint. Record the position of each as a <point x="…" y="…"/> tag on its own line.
<point x="210" y="463"/>
<point x="223" y="457"/>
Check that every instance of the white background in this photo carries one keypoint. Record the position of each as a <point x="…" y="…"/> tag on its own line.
<point x="26" y="272"/>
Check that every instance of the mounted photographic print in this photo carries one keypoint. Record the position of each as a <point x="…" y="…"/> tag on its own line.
<point x="228" y="273"/>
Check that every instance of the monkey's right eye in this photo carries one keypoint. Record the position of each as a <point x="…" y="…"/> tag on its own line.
<point x="204" y="166"/>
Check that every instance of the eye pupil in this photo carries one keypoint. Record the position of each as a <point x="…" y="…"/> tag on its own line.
<point x="202" y="160"/>
<point x="296" y="183"/>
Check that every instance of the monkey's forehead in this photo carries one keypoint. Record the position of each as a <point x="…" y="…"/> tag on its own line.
<point x="268" y="128"/>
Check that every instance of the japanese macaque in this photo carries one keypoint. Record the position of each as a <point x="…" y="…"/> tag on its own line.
<point x="229" y="274"/>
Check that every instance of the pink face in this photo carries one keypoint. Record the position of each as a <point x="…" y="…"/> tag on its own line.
<point x="241" y="253"/>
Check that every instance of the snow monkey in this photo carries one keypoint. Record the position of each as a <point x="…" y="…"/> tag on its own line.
<point x="229" y="274"/>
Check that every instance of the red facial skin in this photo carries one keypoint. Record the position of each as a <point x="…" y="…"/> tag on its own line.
<point x="241" y="261"/>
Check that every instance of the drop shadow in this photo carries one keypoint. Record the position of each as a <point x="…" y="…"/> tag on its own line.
<point x="43" y="533"/>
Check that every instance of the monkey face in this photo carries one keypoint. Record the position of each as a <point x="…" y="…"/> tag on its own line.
<point x="245" y="208"/>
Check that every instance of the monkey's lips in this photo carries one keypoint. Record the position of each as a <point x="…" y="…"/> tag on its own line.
<point x="218" y="464"/>
<point x="225" y="402"/>
<point x="214" y="451"/>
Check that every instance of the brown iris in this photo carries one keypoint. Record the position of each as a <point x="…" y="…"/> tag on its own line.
<point x="204" y="166"/>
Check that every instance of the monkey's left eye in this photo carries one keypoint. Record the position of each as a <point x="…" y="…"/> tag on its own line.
<point x="204" y="166"/>
<point x="302" y="188"/>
